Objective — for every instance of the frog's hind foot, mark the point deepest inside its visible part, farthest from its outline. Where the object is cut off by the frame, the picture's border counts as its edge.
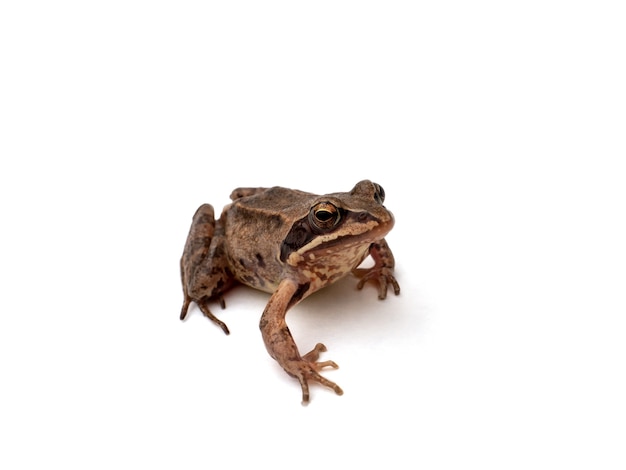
(205, 311)
(183, 311)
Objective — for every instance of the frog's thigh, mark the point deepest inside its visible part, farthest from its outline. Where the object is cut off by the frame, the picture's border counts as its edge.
(204, 267)
(243, 192)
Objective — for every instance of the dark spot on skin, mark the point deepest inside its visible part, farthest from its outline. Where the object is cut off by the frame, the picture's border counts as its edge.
(334, 277)
(260, 260)
(199, 243)
(219, 251)
(298, 294)
(294, 358)
(242, 262)
(250, 280)
(218, 288)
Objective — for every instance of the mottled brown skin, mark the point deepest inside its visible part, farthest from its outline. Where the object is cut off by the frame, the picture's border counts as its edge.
(291, 244)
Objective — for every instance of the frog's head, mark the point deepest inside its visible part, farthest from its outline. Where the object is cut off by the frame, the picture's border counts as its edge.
(337, 222)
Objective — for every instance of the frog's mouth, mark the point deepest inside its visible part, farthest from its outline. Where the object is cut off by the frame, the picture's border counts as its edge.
(351, 235)
(372, 234)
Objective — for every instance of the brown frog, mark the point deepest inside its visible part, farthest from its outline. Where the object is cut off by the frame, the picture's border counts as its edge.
(289, 243)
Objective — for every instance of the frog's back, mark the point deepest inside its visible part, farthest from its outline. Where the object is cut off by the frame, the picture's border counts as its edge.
(276, 198)
(256, 224)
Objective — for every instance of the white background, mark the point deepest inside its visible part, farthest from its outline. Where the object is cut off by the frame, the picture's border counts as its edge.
(498, 132)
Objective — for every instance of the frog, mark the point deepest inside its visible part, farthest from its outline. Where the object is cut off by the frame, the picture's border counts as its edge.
(290, 244)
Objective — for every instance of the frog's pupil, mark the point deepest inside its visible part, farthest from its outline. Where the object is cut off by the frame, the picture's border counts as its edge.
(323, 215)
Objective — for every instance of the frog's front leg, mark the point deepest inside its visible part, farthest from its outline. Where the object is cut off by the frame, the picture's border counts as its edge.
(282, 347)
(203, 267)
(381, 272)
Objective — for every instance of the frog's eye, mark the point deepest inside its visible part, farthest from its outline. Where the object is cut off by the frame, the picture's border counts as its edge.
(379, 195)
(324, 216)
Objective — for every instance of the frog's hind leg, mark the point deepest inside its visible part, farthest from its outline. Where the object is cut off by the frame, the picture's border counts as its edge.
(244, 192)
(203, 267)
(202, 305)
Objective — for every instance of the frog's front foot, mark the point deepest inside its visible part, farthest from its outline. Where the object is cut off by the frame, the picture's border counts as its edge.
(383, 276)
(306, 369)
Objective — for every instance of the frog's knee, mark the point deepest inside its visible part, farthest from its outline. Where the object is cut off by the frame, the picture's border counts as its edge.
(204, 213)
